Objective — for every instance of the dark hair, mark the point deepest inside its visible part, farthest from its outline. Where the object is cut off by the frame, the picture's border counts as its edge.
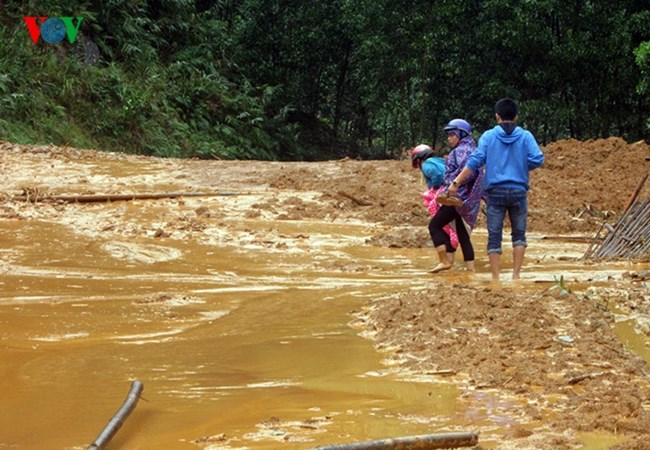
(506, 108)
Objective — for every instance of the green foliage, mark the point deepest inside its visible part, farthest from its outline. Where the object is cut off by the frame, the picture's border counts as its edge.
(149, 95)
(642, 53)
(308, 80)
(560, 285)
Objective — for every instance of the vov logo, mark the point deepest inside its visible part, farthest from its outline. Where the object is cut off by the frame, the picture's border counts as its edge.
(53, 29)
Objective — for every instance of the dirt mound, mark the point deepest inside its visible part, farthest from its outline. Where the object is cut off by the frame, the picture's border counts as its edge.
(580, 186)
(554, 351)
(585, 183)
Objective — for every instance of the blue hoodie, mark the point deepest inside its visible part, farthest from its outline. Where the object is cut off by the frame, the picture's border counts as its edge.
(507, 157)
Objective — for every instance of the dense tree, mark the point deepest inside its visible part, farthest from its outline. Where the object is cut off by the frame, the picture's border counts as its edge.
(288, 79)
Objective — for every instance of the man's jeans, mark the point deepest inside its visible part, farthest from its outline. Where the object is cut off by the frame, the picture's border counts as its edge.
(515, 203)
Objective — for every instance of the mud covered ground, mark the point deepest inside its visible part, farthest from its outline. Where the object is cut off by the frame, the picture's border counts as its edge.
(552, 350)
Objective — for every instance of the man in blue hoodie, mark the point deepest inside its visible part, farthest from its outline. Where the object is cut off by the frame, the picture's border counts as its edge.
(508, 153)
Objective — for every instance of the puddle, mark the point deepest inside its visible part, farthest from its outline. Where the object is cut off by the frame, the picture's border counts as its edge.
(236, 348)
(222, 340)
(633, 338)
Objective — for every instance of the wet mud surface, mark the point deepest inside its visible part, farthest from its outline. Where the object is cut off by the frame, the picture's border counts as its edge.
(545, 356)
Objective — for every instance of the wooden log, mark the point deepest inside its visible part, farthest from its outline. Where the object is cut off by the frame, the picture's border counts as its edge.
(98, 198)
(579, 378)
(422, 442)
(576, 239)
(358, 201)
(118, 419)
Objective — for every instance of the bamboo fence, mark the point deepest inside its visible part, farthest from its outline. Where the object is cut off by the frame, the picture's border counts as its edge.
(630, 238)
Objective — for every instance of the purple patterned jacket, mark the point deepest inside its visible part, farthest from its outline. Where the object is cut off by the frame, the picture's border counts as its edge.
(472, 190)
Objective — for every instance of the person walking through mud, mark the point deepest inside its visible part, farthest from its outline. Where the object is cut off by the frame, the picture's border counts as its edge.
(432, 168)
(508, 153)
(465, 213)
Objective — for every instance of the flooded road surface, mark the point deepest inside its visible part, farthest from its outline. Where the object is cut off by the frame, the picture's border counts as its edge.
(238, 346)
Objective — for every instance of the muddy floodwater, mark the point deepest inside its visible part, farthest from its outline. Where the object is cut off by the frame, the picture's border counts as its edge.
(237, 346)
(225, 340)
(292, 308)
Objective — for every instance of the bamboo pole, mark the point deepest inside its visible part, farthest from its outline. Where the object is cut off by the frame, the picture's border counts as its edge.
(606, 247)
(642, 232)
(629, 234)
(592, 245)
(630, 237)
(423, 442)
(120, 416)
(645, 248)
(638, 223)
(614, 235)
(612, 247)
(636, 192)
(96, 198)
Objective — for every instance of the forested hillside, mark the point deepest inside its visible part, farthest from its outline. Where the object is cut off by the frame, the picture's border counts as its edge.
(313, 79)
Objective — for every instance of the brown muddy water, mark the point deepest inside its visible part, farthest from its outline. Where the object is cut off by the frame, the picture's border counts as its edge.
(238, 346)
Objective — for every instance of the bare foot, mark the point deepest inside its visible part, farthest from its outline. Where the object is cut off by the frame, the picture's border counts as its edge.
(440, 267)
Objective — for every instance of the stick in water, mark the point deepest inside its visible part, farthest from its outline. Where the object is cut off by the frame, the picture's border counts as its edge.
(423, 442)
(120, 416)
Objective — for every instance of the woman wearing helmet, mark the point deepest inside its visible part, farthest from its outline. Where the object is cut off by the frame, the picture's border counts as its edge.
(431, 166)
(433, 169)
(462, 144)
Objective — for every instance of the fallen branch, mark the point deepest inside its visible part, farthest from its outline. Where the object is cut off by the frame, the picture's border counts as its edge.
(120, 416)
(577, 239)
(635, 194)
(96, 198)
(423, 442)
(442, 372)
(578, 379)
(359, 202)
